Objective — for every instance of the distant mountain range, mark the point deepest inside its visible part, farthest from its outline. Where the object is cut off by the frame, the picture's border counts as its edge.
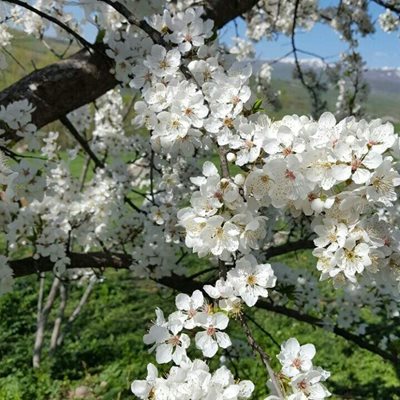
(384, 79)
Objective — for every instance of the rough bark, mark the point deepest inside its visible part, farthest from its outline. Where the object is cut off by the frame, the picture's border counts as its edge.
(223, 11)
(62, 87)
(66, 85)
(29, 266)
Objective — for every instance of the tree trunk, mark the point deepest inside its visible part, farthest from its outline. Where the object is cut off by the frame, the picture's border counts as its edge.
(37, 349)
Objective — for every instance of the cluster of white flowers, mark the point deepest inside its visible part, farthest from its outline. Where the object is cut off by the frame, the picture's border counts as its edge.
(169, 341)
(300, 379)
(192, 380)
(243, 49)
(238, 226)
(47, 209)
(178, 111)
(248, 280)
(389, 21)
(18, 116)
(264, 77)
(340, 173)
(272, 17)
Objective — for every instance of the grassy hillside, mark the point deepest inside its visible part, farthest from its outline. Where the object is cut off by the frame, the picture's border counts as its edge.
(27, 54)
(103, 350)
(295, 100)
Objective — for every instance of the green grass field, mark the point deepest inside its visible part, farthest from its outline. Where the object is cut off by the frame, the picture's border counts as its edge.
(104, 351)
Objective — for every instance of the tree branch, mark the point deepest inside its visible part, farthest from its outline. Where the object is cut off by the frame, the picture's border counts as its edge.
(317, 103)
(29, 266)
(85, 146)
(222, 11)
(359, 341)
(265, 358)
(61, 87)
(98, 164)
(289, 247)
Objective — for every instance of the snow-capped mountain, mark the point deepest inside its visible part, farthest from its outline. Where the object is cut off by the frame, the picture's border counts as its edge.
(385, 79)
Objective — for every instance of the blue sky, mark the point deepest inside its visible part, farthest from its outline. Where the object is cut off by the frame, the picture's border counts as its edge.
(378, 50)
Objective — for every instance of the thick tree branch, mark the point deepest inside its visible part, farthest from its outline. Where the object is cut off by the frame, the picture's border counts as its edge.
(62, 87)
(289, 247)
(29, 266)
(221, 12)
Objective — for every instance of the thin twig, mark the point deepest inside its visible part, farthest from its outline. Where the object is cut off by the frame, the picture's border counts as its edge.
(262, 329)
(84, 173)
(55, 53)
(152, 176)
(98, 163)
(50, 18)
(84, 144)
(14, 58)
(303, 244)
(311, 89)
(204, 271)
(265, 358)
